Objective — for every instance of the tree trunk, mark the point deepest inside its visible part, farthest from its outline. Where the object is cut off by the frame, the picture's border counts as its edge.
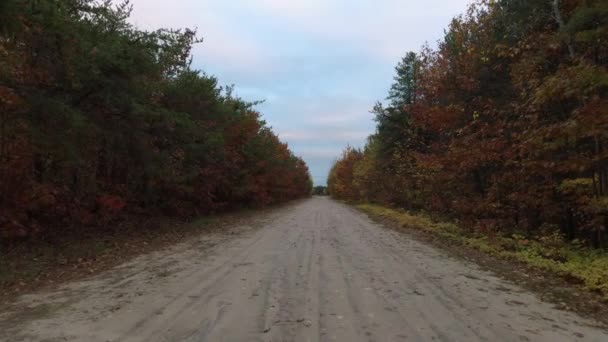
(560, 21)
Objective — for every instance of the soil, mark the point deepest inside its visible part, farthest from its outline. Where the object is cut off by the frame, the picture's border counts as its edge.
(316, 270)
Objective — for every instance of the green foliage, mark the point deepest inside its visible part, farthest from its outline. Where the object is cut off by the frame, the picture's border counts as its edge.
(549, 252)
(404, 89)
(95, 112)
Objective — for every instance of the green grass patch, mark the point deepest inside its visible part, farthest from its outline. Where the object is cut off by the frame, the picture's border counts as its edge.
(570, 260)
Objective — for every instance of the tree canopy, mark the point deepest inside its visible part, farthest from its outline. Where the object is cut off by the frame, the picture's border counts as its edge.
(99, 118)
(504, 127)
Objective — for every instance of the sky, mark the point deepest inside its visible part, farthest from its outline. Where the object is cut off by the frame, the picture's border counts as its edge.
(319, 65)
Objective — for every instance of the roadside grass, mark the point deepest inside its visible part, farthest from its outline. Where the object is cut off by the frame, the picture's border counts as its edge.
(572, 261)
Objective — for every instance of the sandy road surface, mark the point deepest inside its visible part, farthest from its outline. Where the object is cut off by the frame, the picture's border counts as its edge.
(313, 271)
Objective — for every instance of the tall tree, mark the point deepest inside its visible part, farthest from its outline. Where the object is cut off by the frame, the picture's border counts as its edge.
(99, 119)
(403, 91)
(504, 125)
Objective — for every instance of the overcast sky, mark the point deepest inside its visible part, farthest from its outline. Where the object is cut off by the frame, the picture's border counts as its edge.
(319, 64)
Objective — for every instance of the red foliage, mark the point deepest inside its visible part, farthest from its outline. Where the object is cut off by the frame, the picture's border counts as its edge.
(97, 124)
(510, 128)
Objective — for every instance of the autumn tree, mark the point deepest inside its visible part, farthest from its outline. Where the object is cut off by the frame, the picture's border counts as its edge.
(99, 120)
(504, 125)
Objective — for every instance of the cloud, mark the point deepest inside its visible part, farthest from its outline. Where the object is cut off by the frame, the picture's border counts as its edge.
(340, 117)
(319, 64)
(242, 55)
(324, 135)
(323, 107)
(258, 94)
(320, 152)
(383, 30)
(291, 8)
(224, 44)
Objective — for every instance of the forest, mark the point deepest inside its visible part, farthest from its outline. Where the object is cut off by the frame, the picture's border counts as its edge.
(502, 128)
(100, 120)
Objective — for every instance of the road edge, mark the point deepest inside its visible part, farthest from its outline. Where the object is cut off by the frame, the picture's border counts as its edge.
(60, 268)
(549, 287)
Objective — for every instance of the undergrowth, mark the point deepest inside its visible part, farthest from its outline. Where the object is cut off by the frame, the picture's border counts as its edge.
(58, 258)
(570, 260)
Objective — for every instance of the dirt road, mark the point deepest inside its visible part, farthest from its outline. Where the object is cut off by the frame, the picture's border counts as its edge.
(313, 271)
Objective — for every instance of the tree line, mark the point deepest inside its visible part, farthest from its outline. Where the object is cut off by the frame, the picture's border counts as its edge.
(99, 119)
(503, 127)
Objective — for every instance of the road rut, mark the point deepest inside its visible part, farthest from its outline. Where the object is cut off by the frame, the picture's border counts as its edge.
(317, 270)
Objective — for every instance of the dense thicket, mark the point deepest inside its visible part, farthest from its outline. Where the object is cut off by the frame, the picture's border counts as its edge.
(503, 127)
(98, 118)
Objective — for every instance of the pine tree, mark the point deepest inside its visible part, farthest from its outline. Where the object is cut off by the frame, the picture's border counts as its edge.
(404, 87)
